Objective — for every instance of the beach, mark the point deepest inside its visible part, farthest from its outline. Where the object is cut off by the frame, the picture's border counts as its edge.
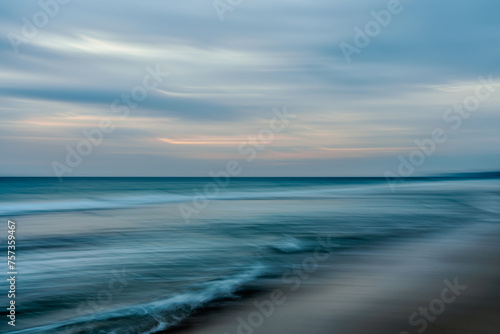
(266, 255)
(377, 292)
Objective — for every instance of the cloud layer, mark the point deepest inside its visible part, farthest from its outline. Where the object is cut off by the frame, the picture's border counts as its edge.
(225, 77)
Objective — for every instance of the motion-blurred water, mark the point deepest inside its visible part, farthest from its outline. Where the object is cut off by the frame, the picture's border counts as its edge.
(115, 255)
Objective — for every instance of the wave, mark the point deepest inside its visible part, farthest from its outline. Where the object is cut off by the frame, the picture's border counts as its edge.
(103, 203)
(289, 245)
(154, 316)
(90, 204)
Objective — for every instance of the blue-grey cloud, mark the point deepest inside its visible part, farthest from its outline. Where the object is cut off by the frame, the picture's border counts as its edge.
(225, 78)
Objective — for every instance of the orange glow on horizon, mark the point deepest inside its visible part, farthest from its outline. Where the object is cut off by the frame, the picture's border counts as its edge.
(369, 148)
(200, 142)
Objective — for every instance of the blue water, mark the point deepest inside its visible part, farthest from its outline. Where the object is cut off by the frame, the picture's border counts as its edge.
(116, 255)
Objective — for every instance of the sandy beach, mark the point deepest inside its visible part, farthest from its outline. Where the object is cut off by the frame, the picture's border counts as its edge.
(445, 284)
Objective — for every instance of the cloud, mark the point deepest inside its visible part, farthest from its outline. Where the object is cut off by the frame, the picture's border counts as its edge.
(225, 78)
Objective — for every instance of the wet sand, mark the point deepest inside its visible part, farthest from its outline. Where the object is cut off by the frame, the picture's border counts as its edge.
(448, 283)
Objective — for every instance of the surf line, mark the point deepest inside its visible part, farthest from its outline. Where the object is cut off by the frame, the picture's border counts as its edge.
(295, 277)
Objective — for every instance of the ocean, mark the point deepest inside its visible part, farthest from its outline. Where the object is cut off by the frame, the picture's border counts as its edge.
(142, 255)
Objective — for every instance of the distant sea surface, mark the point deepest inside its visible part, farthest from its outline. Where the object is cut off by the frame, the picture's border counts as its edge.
(140, 255)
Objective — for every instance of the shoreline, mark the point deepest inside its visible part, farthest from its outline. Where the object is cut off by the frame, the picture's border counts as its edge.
(378, 290)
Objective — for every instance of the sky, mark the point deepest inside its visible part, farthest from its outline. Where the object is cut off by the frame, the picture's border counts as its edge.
(284, 88)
